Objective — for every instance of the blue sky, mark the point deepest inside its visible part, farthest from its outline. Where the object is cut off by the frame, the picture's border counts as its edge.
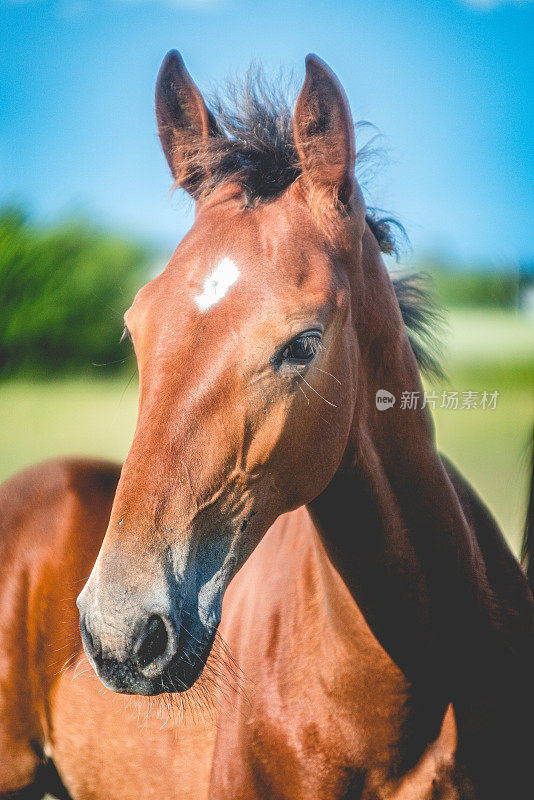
(448, 83)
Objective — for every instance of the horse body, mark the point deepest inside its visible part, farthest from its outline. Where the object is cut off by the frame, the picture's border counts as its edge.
(330, 715)
(320, 711)
(103, 745)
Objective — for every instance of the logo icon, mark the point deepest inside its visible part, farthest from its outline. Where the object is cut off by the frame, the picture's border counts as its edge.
(384, 400)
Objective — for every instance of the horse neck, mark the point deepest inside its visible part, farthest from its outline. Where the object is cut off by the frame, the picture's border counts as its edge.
(392, 525)
(390, 485)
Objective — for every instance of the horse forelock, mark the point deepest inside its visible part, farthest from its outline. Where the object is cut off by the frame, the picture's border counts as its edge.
(254, 147)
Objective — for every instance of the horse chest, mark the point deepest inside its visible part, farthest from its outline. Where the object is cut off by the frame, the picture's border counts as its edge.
(325, 713)
(311, 738)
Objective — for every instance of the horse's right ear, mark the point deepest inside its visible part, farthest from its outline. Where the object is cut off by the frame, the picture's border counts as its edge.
(184, 122)
(324, 132)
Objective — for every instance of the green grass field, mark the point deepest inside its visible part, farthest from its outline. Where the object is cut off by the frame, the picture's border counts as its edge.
(491, 351)
(487, 351)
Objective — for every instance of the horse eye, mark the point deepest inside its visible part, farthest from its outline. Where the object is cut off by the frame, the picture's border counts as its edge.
(303, 348)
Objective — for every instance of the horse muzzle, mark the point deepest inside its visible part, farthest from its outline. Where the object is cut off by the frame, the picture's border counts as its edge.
(162, 655)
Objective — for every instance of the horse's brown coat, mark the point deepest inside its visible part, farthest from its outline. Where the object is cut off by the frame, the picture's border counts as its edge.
(366, 588)
(105, 745)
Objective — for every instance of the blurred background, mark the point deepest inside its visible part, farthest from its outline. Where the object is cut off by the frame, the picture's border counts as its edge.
(86, 216)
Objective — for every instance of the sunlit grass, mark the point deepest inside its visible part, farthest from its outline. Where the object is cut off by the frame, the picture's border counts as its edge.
(65, 416)
(491, 449)
(491, 351)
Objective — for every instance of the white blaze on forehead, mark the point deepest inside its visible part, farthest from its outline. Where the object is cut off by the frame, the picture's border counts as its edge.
(217, 283)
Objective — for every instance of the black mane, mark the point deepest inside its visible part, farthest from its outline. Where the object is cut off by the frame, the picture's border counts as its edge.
(423, 320)
(256, 149)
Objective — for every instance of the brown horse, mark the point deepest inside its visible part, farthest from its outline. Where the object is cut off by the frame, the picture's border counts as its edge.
(295, 568)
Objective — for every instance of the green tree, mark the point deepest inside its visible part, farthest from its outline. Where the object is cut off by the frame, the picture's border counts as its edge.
(63, 292)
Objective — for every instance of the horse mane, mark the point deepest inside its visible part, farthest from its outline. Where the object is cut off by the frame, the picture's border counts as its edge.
(255, 148)
(423, 320)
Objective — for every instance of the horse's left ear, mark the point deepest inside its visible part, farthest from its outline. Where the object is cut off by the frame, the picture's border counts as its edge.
(324, 132)
(184, 122)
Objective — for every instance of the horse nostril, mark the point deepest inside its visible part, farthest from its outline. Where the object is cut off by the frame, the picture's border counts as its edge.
(152, 643)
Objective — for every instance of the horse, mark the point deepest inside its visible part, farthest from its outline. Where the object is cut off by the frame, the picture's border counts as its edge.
(287, 591)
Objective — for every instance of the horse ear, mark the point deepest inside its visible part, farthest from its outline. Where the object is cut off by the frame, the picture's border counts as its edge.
(184, 122)
(324, 132)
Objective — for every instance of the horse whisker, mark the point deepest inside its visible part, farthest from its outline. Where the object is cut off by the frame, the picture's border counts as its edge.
(329, 373)
(315, 390)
